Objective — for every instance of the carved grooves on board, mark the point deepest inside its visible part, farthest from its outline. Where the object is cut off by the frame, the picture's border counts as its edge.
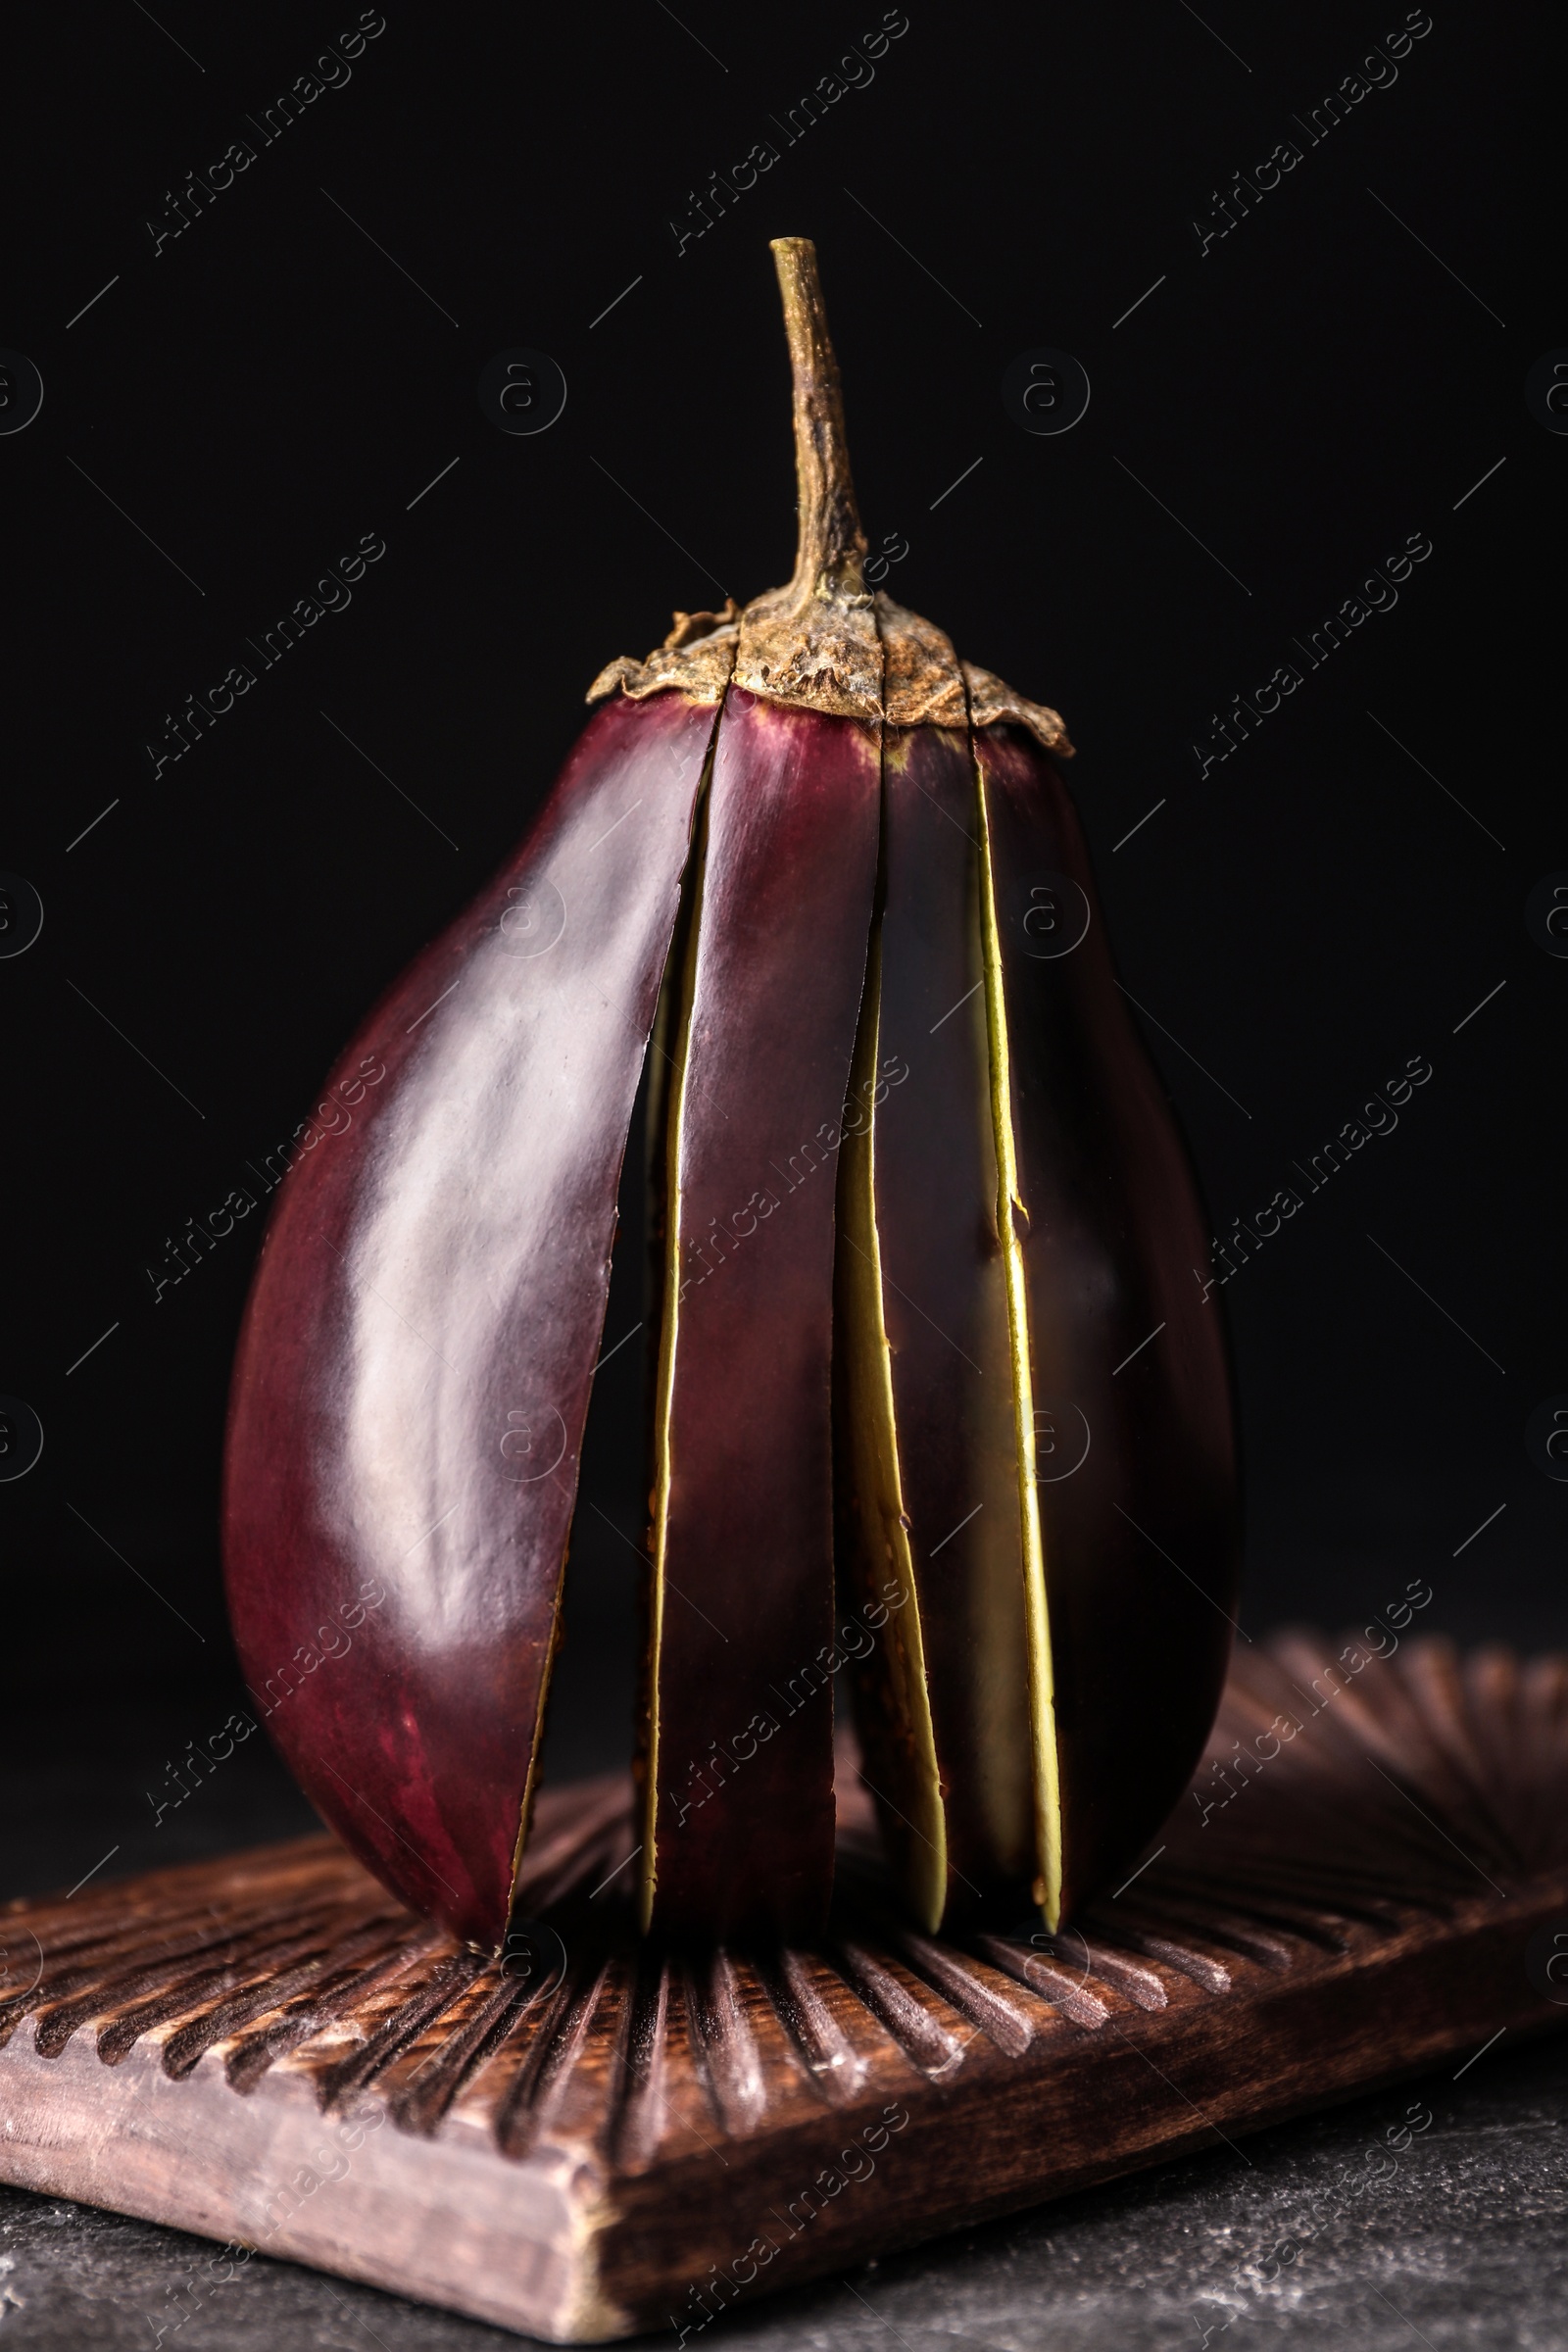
(1409, 1787)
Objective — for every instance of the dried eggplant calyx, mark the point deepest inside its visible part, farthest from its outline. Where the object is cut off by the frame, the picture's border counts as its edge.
(824, 642)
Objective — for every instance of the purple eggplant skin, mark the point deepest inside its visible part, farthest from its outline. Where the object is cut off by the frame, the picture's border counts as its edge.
(414, 1369)
(944, 1309)
(1031, 1396)
(738, 1761)
(1141, 1534)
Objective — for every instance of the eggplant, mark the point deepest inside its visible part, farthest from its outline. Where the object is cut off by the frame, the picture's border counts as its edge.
(935, 1389)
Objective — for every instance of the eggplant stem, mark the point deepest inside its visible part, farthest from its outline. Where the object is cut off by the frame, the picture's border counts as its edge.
(830, 554)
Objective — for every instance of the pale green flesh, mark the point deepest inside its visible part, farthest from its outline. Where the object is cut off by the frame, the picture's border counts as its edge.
(1010, 1211)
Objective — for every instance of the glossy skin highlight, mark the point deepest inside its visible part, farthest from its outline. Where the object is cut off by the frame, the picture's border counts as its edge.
(414, 1370)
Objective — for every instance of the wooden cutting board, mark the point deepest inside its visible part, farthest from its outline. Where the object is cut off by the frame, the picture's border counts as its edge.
(593, 2139)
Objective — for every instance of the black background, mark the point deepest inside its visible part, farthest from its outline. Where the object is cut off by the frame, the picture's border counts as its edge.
(1304, 397)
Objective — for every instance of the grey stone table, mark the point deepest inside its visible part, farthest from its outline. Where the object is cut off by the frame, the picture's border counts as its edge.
(1460, 2239)
(1434, 2212)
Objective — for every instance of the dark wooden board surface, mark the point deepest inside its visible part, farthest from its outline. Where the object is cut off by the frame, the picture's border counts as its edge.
(591, 2139)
